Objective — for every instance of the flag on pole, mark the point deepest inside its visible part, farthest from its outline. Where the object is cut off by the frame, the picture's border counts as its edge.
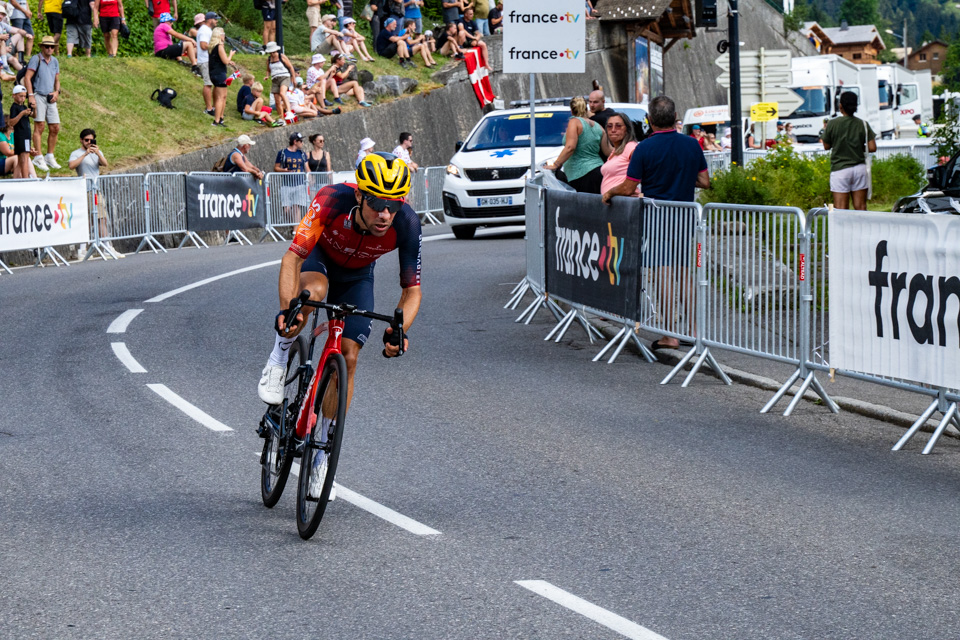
(477, 70)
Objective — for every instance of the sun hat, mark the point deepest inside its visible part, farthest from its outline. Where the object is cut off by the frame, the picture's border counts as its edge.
(349, 21)
(271, 47)
(197, 19)
(245, 139)
(48, 41)
(3, 9)
(318, 59)
(166, 16)
(367, 143)
(211, 15)
(329, 16)
(19, 89)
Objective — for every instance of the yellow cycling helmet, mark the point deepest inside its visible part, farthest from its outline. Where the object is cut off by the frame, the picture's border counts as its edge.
(383, 175)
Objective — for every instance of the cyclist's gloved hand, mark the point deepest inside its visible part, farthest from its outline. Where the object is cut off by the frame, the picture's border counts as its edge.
(391, 343)
(290, 322)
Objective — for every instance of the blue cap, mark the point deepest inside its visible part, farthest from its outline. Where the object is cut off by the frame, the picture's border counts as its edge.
(389, 21)
(211, 15)
(779, 123)
(696, 126)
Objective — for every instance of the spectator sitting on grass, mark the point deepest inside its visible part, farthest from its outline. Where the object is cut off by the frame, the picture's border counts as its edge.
(10, 39)
(354, 40)
(391, 43)
(298, 101)
(318, 83)
(253, 108)
(417, 43)
(447, 42)
(156, 9)
(340, 73)
(327, 38)
(163, 46)
(469, 37)
(10, 160)
(20, 18)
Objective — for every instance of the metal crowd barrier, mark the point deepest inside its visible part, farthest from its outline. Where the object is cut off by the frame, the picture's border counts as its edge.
(433, 187)
(288, 197)
(166, 198)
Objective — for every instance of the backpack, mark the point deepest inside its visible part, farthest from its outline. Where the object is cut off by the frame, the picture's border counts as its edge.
(70, 9)
(219, 165)
(23, 69)
(259, 5)
(164, 97)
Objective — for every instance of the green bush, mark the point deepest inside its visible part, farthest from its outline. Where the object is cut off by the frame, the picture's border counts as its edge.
(737, 185)
(895, 177)
(781, 178)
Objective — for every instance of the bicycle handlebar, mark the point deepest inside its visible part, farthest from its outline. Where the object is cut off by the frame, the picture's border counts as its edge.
(342, 310)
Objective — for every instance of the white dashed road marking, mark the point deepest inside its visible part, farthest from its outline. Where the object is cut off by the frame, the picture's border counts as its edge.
(120, 350)
(121, 322)
(197, 414)
(608, 619)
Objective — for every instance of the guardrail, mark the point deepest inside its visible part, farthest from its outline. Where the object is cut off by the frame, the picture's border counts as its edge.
(923, 152)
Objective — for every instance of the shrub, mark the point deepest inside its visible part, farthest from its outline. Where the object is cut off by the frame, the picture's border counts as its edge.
(737, 185)
(895, 177)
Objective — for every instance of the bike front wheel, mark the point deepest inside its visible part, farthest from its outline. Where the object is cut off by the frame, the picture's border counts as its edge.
(321, 449)
(277, 456)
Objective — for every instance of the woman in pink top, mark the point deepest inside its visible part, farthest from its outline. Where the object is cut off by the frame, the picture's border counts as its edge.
(618, 143)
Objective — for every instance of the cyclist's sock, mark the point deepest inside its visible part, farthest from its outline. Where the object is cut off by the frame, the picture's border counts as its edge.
(324, 427)
(281, 351)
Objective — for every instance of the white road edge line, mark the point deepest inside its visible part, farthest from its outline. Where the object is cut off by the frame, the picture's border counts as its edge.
(200, 283)
(123, 354)
(376, 508)
(121, 322)
(483, 232)
(607, 618)
(197, 414)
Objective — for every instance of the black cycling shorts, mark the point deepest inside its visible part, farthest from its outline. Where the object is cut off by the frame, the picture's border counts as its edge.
(353, 286)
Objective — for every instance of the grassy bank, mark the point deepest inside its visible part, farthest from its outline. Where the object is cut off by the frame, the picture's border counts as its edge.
(112, 96)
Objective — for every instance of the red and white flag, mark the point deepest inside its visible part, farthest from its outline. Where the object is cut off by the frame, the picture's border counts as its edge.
(477, 70)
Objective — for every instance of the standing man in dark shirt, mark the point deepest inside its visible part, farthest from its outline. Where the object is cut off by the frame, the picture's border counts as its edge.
(669, 166)
(495, 19)
(597, 103)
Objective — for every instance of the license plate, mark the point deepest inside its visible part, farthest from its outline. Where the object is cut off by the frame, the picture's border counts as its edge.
(498, 201)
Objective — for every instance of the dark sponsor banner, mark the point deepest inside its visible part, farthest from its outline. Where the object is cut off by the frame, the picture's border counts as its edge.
(224, 202)
(593, 250)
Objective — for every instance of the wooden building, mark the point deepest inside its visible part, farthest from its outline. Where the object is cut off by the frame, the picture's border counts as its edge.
(929, 56)
(860, 44)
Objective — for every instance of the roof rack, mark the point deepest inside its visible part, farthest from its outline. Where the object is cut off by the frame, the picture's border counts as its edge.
(516, 104)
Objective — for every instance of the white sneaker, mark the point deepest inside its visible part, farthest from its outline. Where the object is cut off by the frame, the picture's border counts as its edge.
(270, 388)
(41, 164)
(51, 161)
(333, 494)
(318, 473)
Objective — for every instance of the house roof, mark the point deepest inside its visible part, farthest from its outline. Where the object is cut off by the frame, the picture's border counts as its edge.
(927, 45)
(617, 10)
(855, 34)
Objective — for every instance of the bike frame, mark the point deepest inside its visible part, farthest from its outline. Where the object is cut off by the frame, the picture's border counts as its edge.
(307, 419)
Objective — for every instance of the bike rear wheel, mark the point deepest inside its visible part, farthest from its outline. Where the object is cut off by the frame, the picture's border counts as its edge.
(277, 456)
(318, 465)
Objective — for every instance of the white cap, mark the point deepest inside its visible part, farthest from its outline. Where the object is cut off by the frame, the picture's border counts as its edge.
(367, 143)
(318, 57)
(348, 21)
(19, 89)
(245, 139)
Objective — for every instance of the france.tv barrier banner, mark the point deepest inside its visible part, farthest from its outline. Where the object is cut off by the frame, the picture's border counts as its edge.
(224, 202)
(593, 251)
(48, 214)
(895, 295)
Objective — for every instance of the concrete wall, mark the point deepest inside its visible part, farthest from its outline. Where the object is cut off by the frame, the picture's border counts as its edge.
(439, 118)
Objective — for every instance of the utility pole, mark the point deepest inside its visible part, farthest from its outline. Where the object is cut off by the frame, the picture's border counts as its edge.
(736, 111)
(906, 47)
(279, 12)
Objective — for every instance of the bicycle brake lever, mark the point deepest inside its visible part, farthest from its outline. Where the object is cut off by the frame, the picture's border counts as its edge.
(396, 337)
(295, 306)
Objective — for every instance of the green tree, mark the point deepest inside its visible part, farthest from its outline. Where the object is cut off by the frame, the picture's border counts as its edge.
(859, 11)
(950, 71)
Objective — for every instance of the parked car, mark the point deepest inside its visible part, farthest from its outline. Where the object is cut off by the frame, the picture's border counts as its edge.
(941, 193)
(484, 183)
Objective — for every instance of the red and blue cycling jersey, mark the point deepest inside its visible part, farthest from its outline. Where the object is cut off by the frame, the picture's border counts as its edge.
(328, 226)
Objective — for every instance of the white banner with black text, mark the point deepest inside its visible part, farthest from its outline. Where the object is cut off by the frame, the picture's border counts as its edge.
(43, 214)
(895, 295)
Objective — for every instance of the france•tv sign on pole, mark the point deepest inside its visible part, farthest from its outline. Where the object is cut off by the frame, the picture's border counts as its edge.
(544, 36)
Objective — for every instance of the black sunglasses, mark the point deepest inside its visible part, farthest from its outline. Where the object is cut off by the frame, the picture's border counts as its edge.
(379, 204)
(88, 140)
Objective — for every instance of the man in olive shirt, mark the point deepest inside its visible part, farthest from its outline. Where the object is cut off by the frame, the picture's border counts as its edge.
(847, 138)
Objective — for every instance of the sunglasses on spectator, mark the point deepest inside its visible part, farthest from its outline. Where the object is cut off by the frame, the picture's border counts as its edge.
(88, 139)
(379, 204)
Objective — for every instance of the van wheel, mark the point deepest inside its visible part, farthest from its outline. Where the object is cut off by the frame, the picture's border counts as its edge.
(464, 232)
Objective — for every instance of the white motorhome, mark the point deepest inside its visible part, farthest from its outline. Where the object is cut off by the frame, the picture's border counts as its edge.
(819, 81)
(913, 94)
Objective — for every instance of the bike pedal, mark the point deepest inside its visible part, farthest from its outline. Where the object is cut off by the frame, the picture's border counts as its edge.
(297, 448)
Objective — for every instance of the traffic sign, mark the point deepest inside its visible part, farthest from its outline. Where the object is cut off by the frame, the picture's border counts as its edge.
(771, 58)
(764, 111)
(769, 79)
(787, 100)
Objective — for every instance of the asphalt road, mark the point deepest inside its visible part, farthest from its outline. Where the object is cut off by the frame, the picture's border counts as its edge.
(679, 511)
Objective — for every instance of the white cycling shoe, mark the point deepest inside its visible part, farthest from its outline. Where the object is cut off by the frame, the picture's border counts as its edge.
(270, 388)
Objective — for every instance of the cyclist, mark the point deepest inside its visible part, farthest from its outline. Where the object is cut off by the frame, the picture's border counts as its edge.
(347, 227)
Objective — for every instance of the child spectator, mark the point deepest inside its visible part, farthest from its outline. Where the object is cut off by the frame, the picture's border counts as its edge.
(163, 46)
(10, 160)
(253, 108)
(20, 113)
(108, 15)
(156, 9)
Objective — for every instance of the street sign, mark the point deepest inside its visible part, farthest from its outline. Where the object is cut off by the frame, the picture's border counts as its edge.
(772, 58)
(787, 100)
(544, 36)
(769, 79)
(764, 111)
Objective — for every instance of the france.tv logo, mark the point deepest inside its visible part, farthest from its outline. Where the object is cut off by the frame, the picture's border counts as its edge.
(516, 17)
(567, 55)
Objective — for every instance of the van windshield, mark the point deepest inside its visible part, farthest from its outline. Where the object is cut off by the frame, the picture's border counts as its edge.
(512, 131)
(816, 102)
